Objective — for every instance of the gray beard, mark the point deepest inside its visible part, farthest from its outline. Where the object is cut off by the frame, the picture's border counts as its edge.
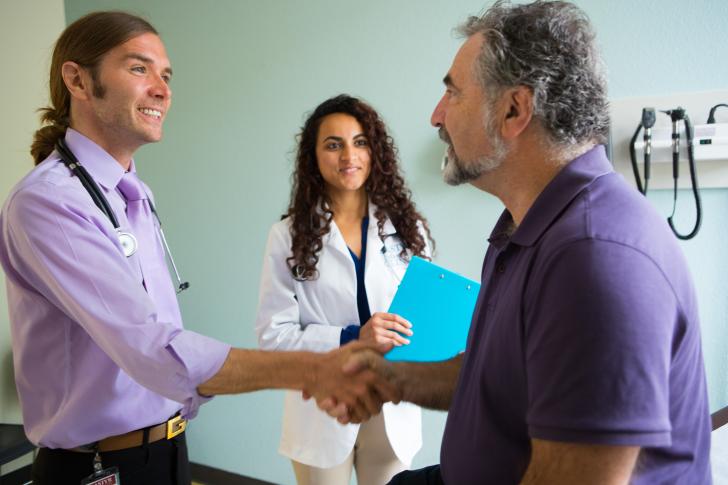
(456, 172)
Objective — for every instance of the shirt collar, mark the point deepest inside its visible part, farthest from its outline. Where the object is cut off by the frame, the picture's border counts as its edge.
(104, 169)
(565, 186)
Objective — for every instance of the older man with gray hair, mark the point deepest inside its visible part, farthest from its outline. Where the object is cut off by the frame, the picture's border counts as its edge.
(584, 362)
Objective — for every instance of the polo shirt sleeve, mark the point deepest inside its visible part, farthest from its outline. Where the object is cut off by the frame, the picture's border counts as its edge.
(599, 323)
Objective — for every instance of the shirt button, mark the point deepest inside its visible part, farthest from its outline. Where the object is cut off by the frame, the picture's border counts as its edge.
(500, 268)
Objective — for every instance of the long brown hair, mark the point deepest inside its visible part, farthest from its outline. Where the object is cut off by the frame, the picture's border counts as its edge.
(84, 42)
(310, 205)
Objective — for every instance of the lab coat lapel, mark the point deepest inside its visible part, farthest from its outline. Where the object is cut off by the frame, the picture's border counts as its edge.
(374, 242)
(336, 240)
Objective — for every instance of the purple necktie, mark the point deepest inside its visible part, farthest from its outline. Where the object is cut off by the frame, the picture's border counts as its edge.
(150, 252)
(141, 222)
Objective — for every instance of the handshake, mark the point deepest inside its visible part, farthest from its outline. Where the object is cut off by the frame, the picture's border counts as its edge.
(352, 383)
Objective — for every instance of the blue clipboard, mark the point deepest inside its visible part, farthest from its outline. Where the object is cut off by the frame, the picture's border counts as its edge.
(439, 304)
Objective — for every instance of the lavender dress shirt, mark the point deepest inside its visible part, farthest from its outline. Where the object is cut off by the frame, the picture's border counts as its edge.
(98, 343)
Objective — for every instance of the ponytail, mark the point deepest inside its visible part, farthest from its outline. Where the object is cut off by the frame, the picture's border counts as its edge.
(45, 139)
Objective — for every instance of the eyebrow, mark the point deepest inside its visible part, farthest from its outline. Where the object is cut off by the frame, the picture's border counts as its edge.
(338, 138)
(146, 60)
(447, 80)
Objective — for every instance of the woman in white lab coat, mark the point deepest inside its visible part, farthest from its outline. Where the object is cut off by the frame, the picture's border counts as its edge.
(330, 270)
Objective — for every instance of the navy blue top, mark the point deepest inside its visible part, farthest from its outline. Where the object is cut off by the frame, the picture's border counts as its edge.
(362, 302)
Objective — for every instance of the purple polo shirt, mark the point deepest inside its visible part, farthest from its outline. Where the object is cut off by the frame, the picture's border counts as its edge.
(585, 331)
(96, 354)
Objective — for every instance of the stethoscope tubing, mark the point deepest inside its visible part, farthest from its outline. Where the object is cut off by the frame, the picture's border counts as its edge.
(125, 238)
(87, 181)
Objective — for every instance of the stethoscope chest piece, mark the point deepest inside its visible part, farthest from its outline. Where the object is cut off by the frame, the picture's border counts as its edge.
(128, 243)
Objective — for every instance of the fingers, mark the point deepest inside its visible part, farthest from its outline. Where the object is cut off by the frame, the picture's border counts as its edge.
(340, 411)
(356, 400)
(327, 404)
(391, 321)
(353, 384)
(378, 374)
(383, 328)
(394, 337)
(359, 402)
(387, 327)
(367, 397)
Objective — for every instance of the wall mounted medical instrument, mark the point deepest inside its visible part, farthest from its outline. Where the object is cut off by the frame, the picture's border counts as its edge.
(658, 137)
(676, 115)
(646, 124)
(129, 243)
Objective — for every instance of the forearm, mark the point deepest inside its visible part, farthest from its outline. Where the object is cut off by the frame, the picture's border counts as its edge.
(253, 370)
(563, 463)
(430, 385)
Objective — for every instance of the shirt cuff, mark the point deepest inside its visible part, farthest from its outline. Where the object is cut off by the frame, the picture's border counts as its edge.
(348, 334)
(202, 357)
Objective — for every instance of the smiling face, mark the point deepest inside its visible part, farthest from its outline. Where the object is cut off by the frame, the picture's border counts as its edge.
(131, 94)
(342, 154)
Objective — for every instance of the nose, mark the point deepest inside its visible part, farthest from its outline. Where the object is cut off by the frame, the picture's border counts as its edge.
(438, 115)
(160, 89)
(348, 152)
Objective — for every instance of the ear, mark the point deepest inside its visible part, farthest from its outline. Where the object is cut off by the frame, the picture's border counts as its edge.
(518, 111)
(76, 79)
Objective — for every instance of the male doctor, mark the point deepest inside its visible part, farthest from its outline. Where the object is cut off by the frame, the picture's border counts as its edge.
(106, 373)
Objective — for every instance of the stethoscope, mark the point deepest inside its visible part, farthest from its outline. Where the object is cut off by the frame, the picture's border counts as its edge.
(394, 247)
(128, 241)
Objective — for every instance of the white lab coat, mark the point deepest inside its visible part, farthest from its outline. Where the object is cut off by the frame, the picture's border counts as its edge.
(309, 315)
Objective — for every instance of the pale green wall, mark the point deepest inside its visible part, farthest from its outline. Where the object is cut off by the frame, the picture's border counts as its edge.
(27, 33)
(246, 71)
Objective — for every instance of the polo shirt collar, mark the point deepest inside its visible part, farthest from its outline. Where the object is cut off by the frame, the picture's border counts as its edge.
(104, 168)
(565, 186)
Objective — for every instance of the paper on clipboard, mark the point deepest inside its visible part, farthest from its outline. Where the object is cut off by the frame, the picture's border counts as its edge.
(439, 304)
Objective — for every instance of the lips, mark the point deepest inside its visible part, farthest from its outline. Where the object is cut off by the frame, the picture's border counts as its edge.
(349, 170)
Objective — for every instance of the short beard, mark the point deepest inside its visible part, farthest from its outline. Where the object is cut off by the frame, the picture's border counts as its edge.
(457, 172)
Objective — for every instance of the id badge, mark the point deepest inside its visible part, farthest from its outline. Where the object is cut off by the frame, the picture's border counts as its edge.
(107, 476)
(102, 476)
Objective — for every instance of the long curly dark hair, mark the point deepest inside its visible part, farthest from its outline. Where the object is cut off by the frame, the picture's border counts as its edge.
(310, 205)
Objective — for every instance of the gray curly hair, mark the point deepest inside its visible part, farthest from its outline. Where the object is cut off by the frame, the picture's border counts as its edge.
(548, 46)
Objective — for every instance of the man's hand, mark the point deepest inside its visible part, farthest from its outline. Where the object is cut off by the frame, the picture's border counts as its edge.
(386, 328)
(427, 384)
(344, 384)
(362, 361)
